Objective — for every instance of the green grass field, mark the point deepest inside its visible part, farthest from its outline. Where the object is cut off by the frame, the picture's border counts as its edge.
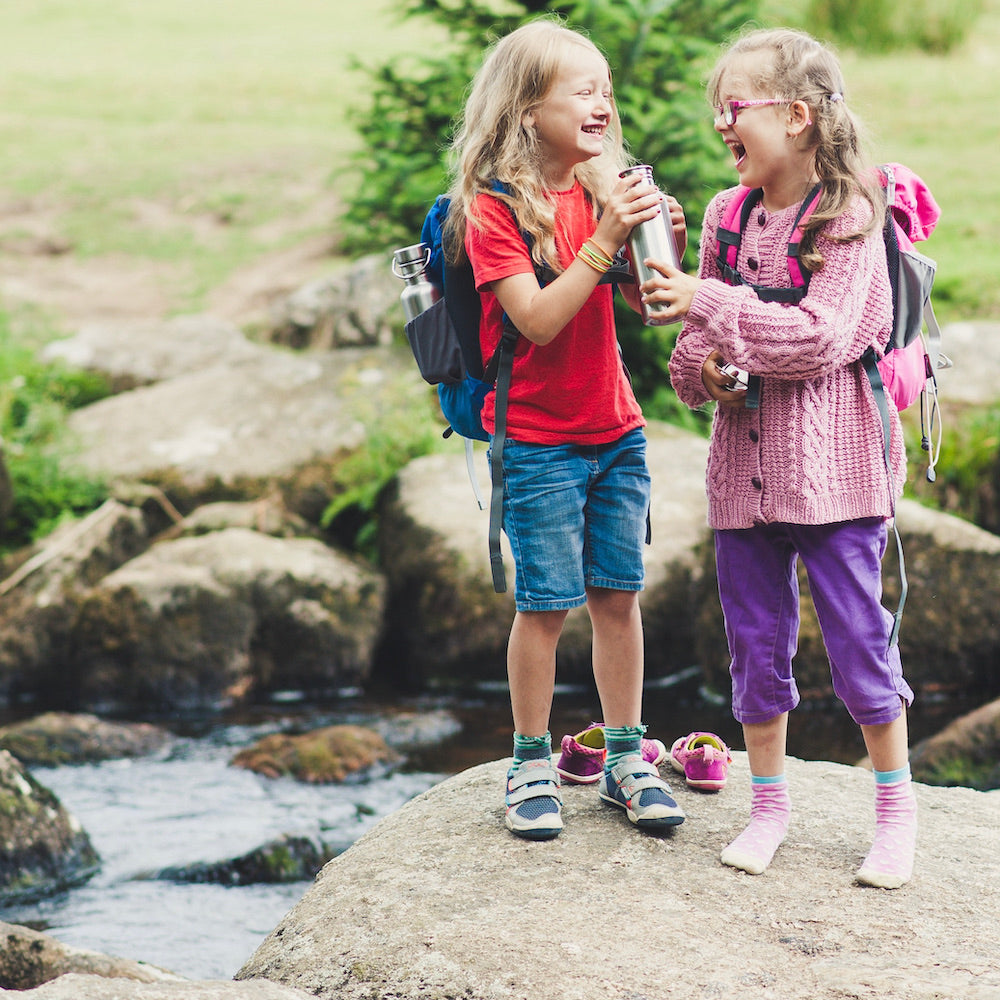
(934, 114)
(202, 133)
(196, 132)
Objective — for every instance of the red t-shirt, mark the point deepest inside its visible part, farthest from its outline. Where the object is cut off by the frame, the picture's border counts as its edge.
(573, 389)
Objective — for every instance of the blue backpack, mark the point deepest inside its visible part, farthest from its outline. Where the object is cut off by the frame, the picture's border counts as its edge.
(445, 343)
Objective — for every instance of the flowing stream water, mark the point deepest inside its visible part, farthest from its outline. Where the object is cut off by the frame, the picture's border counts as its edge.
(186, 805)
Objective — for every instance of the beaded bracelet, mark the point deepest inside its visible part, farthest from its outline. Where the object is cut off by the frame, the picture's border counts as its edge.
(592, 255)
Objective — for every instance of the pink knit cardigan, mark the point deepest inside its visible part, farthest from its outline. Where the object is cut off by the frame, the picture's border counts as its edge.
(813, 452)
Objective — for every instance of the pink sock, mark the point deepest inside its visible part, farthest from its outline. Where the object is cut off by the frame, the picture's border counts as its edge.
(770, 810)
(890, 861)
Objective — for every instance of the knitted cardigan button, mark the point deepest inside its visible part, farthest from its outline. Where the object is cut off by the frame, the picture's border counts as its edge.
(754, 436)
(757, 484)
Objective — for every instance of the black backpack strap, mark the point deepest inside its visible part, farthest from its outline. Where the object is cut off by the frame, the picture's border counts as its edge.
(503, 361)
(869, 361)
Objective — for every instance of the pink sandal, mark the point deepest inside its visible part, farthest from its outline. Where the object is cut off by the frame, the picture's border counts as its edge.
(703, 759)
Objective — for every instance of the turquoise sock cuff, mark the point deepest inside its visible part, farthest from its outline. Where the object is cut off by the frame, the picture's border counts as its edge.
(621, 741)
(532, 747)
(890, 777)
(774, 779)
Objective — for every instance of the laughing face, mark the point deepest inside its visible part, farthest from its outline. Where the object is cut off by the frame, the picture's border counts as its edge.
(756, 133)
(571, 120)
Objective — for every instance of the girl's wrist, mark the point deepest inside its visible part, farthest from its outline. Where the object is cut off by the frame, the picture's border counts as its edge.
(600, 246)
(594, 256)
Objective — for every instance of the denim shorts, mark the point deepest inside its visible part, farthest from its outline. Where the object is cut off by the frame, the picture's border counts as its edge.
(575, 516)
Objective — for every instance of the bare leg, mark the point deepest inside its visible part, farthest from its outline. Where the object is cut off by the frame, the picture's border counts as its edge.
(618, 654)
(888, 745)
(531, 668)
(766, 742)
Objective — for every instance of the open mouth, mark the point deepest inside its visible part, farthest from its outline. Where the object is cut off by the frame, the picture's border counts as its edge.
(739, 152)
(594, 129)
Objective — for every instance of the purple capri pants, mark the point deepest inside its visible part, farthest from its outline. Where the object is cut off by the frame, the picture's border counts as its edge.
(759, 591)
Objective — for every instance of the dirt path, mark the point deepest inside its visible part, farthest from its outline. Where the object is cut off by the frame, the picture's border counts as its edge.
(39, 269)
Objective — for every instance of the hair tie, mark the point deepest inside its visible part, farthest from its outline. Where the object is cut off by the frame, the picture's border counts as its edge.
(835, 97)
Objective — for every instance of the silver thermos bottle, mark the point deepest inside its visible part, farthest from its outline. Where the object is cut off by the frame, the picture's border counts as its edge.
(410, 264)
(653, 239)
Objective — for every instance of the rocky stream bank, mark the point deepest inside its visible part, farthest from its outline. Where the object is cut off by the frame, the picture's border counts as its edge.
(205, 581)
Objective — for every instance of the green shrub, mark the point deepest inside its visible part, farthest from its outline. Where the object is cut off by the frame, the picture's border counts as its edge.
(351, 517)
(660, 52)
(34, 401)
(936, 26)
(968, 467)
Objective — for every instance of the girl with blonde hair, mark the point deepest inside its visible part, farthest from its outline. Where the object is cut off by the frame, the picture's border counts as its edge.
(538, 151)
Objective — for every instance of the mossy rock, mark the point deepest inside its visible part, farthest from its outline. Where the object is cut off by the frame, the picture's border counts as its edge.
(965, 753)
(57, 738)
(43, 850)
(324, 755)
(286, 859)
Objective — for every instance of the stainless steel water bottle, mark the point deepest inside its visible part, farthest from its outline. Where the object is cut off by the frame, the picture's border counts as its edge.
(653, 239)
(410, 264)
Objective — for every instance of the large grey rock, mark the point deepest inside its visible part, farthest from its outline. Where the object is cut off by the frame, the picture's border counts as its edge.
(966, 752)
(40, 599)
(974, 347)
(240, 428)
(99, 620)
(438, 900)
(353, 307)
(84, 986)
(198, 621)
(140, 352)
(447, 621)
(42, 847)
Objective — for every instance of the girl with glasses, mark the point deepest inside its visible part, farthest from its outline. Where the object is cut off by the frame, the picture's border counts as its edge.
(797, 467)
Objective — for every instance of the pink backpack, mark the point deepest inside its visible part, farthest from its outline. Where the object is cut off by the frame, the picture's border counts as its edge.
(908, 365)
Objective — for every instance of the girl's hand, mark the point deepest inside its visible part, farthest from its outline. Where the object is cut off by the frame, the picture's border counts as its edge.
(717, 382)
(678, 224)
(632, 200)
(671, 287)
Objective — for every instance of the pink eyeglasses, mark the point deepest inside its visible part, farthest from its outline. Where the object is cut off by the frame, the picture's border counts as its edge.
(730, 109)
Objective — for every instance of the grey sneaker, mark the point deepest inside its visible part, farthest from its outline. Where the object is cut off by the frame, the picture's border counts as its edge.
(636, 787)
(533, 802)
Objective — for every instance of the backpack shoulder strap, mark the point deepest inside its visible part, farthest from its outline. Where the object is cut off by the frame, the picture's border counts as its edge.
(800, 277)
(729, 233)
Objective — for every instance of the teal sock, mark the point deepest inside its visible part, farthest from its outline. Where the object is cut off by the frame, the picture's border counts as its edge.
(532, 748)
(620, 742)
(891, 777)
(775, 779)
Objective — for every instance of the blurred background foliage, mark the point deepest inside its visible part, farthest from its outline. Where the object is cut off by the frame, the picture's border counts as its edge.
(193, 139)
(661, 52)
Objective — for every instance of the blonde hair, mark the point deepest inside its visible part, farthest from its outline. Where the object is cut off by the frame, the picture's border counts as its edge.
(799, 68)
(492, 144)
